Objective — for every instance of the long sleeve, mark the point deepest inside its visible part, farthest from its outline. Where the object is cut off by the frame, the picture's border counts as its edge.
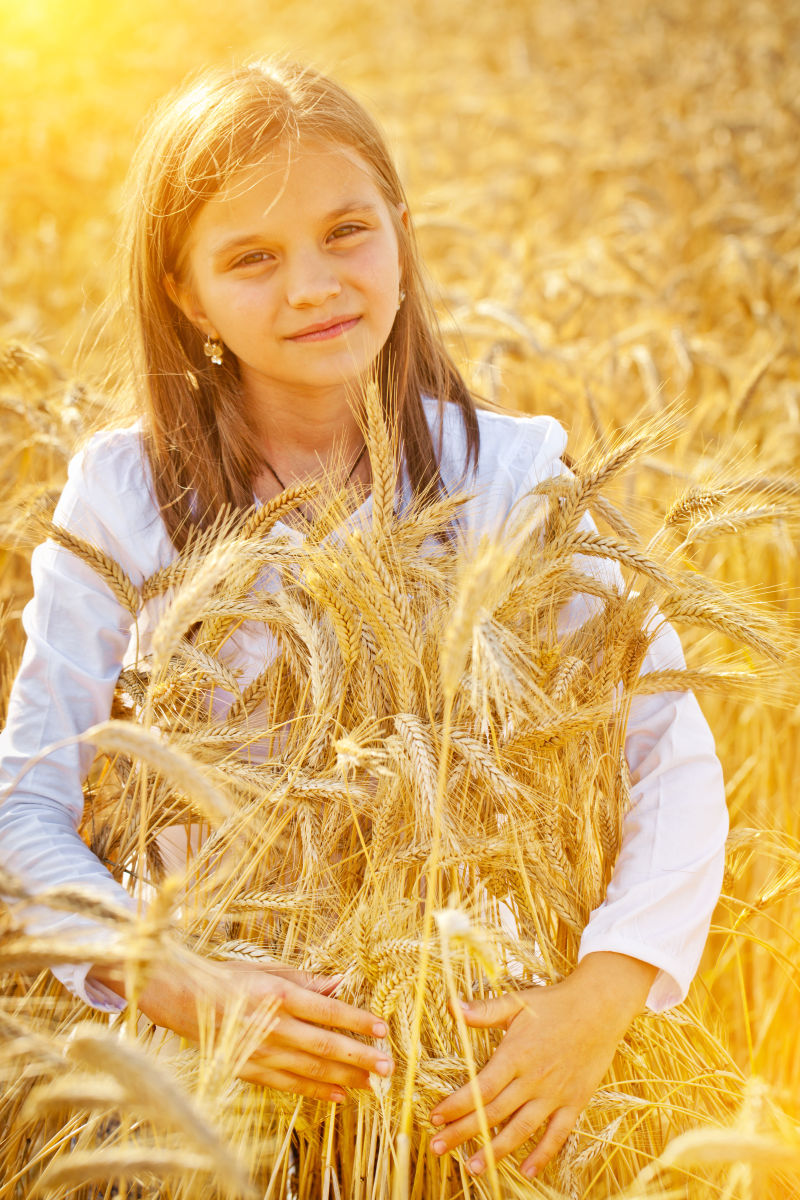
(77, 635)
(668, 875)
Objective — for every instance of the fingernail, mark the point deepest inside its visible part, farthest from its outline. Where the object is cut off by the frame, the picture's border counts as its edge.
(475, 1166)
(438, 1146)
(465, 1004)
(379, 1029)
(338, 1097)
(529, 1172)
(383, 1066)
(437, 1119)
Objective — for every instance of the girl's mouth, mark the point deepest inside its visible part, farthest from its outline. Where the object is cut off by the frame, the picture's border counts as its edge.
(325, 330)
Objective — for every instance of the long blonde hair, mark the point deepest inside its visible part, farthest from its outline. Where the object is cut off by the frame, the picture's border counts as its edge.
(197, 436)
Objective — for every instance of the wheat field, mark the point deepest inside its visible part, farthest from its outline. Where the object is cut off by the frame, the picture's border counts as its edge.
(607, 199)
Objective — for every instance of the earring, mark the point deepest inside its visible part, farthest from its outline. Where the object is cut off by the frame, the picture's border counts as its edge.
(401, 298)
(214, 349)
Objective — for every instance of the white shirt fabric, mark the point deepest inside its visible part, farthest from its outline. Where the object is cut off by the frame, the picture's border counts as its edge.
(667, 878)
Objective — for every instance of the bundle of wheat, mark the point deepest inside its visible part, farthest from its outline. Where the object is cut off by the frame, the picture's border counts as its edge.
(421, 791)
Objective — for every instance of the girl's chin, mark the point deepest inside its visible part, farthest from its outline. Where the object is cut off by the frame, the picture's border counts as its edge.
(344, 373)
(323, 384)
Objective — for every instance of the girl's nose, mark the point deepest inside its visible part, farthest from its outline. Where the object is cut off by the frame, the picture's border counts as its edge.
(310, 280)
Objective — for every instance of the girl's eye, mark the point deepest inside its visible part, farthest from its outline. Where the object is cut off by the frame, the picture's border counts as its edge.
(345, 230)
(252, 258)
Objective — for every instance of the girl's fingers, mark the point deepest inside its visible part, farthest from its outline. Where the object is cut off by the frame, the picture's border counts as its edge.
(324, 984)
(561, 1125)
(325, 1044)
(284, 1081)
(498, 1011)
(491, 1081)
(523, 1125)
(498, 1110)
(324, 1010)
(308, 1066)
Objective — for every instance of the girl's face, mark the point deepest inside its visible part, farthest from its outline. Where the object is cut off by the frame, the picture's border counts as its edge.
(295, 265)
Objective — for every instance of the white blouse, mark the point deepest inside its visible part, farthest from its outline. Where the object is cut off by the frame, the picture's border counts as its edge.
(668, 875)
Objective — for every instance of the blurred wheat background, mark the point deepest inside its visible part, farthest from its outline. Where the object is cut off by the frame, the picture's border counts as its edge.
(608, 200)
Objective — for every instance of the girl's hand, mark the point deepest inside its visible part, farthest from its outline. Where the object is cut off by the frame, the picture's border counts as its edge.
(300, 1053)
(558, 1045)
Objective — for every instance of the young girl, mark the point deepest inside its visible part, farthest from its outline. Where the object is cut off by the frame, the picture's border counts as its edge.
(272, 266)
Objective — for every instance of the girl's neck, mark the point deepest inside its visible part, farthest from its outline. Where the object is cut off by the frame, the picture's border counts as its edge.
(303, 435)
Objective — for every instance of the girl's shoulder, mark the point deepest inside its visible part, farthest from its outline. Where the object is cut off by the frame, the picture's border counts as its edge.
(519, 443)
(113, 454)
(109, 500)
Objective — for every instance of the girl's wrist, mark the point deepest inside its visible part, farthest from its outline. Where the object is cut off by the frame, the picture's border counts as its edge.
(615, 983)
(109, 976)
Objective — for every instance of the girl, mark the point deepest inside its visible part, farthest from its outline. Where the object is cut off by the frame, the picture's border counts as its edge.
(272, 266)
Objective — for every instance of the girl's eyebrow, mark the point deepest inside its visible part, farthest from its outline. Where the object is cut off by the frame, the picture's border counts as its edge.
(234, 243)
(352, 206)
(245, 239)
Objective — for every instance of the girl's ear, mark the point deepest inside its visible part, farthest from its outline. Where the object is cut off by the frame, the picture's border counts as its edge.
(183, 298)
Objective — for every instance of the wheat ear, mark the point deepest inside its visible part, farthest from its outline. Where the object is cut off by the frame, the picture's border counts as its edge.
(102, 564)
(183, 771)
(382, 460)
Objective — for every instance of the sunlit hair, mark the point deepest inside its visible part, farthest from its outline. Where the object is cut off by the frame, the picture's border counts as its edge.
(199, 442)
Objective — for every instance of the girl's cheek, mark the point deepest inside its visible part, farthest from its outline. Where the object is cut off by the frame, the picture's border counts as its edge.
(250, 302)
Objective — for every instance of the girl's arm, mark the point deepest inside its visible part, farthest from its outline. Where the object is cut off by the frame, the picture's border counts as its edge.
(668, 874)
(641, 946)
(78, 634)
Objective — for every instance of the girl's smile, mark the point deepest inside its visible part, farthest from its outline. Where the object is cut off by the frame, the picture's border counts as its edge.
(326, 329)
(295, 266)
